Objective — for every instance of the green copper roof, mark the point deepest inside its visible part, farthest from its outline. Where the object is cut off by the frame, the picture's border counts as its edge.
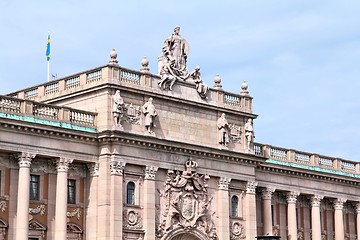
(48, 122)
(313, 168)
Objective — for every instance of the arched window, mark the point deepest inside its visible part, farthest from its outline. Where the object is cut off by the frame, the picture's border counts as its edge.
(234, 206)
(130, 193)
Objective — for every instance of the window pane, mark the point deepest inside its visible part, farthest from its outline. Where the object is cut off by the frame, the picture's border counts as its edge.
(34, 187)
(234, 206)
(130, 193)
(71, 191)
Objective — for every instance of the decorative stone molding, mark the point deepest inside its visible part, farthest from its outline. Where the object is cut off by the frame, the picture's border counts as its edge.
(266, 193)
(150, 172)
(74, 213)
(133, 219)
(358, 208)
(251, 187)
(291, 197)
(62, 164)
(117, 167)
(339, 203)
(3, 206)
(238, 231)
(38, 210)
(185, 203)
(276, 230)
(224, 183)
(37, 226)
(77, 170)
(93, 169)
(316, 200)
(25, 159)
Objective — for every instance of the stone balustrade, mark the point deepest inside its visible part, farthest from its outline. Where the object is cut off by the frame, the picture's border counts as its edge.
(9, 105)
(110, 74)
(308, 160)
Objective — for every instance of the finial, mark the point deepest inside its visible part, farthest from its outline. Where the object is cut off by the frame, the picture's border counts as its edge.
(145, 65)
(244, 88)
(113, 57)
(217, 82)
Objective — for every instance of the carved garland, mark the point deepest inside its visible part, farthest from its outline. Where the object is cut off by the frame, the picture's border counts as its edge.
(39, 209)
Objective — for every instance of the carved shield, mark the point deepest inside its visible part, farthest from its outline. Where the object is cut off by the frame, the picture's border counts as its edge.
(188, 206)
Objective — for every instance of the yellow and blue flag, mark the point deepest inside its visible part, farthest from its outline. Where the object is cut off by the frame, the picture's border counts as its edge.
(48, 48)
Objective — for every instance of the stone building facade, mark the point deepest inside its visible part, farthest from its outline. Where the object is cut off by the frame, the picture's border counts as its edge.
(90, 156)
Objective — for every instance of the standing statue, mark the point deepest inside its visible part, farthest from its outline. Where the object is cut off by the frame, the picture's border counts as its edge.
(223, 130)
(118, 108)
(150, 114)
(249, 133)
(175, 47)
(200, 86)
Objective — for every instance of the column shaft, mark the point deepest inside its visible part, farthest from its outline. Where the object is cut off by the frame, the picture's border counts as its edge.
(149, 203)
(339, 221)
(22, 218)
(222, 207)
(61, 199)
(250, 210)
(315, 217)
(267, 215)
(292, 221)
(358, 221)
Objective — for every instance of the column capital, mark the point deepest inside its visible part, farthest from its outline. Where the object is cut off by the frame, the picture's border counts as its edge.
(24, 159)
(316, 200)
(224, 183)
(93, 169)
(339, 203)
(358, 208)
(117, 167)
(266, 193)
(150, 172)
(251, 187)
(62, 164)
(291, 197)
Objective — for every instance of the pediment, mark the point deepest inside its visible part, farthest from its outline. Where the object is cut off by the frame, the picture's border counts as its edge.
(3, 223)
(74, 228)
(36, 225)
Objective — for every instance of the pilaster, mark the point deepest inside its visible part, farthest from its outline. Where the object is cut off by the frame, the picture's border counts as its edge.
(149, 202)
(358, 221)
(91, 222)
(222, 206)
(117, 167)
(250, 212)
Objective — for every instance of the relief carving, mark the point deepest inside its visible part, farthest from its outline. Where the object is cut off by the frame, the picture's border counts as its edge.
(3, 206)
(185, 203)
(133, 219)
(238, 231)
(38, 210)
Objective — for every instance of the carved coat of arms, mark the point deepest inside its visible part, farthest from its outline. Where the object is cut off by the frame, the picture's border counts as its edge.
(184, 202)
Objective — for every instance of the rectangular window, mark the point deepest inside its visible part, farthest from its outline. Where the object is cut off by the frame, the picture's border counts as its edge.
(34, 187)
(71, 190)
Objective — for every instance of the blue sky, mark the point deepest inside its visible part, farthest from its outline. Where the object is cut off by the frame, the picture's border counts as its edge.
(301, 58)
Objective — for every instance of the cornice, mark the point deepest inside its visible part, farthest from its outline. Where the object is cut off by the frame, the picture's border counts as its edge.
(304, 173)
(176, 147)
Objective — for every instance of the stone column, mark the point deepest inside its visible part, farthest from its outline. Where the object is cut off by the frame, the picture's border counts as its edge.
(149, 202)
(22, 212)
(315, 217)
(222, 207)
(250, 210)
(267, 217)
(358, 221)
(292, 221)
(116, 197)
(339, 220)
(62, 166)
(91, 212)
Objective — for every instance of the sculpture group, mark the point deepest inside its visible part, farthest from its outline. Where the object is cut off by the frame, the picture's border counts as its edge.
(175, 52)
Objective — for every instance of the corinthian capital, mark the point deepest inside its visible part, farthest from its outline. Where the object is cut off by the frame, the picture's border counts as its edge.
(291, 197)
(150, 172)
(117, 167)
(316, 200)
(339, 203)
(251, 187)
(24, 159)
(62, 164)
(93, 169)
(266, 193)
(224, 183)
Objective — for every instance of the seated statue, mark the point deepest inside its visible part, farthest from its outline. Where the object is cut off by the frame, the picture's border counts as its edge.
(200, 86)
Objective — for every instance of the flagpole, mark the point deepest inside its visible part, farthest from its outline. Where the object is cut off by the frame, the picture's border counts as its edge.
(48, 73)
